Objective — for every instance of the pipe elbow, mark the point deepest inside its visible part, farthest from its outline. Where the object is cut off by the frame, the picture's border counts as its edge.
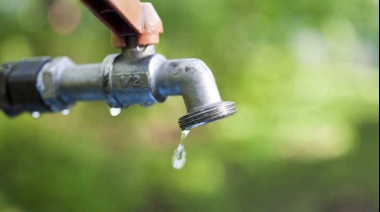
(190, 78)
(193, 80)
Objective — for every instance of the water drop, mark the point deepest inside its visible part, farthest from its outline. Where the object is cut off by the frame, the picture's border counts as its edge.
(36, 115)
(179, 156)
(115, 111)
(141, 48)
(66, 112)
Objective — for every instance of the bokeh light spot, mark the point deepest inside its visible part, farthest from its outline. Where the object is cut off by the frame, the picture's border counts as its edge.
(31, 15)
(322, 142)
(64, 16)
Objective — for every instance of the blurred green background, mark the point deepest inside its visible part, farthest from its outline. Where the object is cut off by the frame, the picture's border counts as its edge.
(304, 75)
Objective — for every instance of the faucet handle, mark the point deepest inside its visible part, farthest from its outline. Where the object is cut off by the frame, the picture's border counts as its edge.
(128, 18)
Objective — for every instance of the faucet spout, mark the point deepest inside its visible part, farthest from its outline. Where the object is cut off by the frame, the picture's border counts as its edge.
(193, 80)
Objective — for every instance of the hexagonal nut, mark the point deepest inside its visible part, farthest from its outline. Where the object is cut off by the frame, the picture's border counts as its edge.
(47, 86)
(48, 82)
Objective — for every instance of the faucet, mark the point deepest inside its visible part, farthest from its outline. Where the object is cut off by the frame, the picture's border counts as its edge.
(136, 76)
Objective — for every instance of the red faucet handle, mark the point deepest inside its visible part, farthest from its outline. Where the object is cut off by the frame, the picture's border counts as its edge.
(126, 18)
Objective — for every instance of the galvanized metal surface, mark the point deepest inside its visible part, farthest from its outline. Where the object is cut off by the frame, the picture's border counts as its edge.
(138, 76)
(49, 81)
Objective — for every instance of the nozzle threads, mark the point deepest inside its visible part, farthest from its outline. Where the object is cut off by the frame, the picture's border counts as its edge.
(206, 115)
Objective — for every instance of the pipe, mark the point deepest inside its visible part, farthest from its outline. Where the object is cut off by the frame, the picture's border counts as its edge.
(82, 83)
(137, 76)
(194, 81)
(189, 78)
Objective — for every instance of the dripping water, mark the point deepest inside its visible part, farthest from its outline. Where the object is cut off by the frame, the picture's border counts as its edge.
(179, 156)
(66, 112)
(36, 114)
(115, 111)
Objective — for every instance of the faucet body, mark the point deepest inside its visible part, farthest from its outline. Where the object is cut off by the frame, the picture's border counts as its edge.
(136, 76)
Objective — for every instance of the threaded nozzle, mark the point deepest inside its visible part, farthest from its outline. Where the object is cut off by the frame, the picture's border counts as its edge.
(207, 115)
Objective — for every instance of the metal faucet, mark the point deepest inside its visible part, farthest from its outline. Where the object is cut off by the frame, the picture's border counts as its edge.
(136, 76)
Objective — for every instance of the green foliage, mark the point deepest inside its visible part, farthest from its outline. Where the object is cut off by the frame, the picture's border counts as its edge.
(305, 78)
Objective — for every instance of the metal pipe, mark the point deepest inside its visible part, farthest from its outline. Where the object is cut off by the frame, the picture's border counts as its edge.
(137, 76)
(194, 81)
(189, 78)
(82, 83)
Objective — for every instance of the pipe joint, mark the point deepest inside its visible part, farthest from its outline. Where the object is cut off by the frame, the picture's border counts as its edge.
(194, 81)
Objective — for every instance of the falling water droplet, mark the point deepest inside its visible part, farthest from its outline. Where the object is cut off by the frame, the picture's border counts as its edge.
(115, 111)
(36, 115)
(179, 156)
(66, 112)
